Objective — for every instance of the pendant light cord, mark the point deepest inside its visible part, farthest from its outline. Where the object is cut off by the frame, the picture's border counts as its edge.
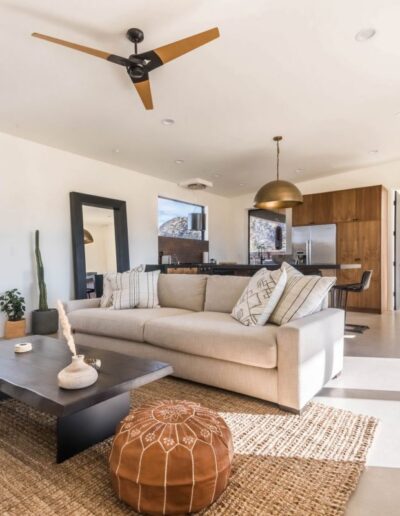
(277, 160)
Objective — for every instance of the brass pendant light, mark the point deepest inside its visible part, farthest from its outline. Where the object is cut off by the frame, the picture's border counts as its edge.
(277, 194)
(87, 237)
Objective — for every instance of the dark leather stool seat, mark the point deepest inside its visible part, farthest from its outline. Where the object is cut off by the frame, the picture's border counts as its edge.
(340, 295)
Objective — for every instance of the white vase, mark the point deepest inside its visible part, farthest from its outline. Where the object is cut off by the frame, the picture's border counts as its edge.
(77, 375)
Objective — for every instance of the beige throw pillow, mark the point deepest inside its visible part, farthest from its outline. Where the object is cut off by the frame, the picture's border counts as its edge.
(135, 289)
(106, 299)
(260, 297)
(302, 296)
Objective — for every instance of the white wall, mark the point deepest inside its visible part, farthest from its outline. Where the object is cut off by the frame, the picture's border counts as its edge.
(35, 181)
(387, 174)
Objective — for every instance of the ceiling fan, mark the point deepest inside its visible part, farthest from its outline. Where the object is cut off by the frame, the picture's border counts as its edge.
(137, 65)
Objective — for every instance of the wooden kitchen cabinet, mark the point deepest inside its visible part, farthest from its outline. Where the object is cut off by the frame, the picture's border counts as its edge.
(368, 203)
(322, 206)
(360, 242)
(303, 215)
(361, 237)
(344, 205)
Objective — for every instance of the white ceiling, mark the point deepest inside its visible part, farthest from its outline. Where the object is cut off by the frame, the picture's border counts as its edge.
(289, 67)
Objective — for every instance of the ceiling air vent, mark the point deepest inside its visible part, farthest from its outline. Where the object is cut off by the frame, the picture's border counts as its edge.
(196, 184)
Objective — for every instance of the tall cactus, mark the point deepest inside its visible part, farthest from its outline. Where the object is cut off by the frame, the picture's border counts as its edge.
(40, 275)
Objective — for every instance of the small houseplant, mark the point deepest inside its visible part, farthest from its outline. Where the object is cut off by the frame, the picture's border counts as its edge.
(13, 305)
(45, 319)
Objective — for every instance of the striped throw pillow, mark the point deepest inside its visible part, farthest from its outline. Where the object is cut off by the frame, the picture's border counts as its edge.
(134, 289)
(106, 299)
(303, 295)
(260, 297)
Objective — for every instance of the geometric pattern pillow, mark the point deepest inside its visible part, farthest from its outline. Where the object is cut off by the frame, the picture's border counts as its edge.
(260, 297)
(135, 289)
(302, 296)
(106, 299)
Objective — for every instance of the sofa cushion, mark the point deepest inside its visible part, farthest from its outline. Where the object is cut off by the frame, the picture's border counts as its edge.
(135, 289)
(260, 297)
(223, 292)
(121, 324)
(215, 335)
(303, 295)
(108, 280)
(185, 291)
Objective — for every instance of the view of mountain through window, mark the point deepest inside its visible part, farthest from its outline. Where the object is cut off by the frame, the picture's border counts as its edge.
(262, 238)
(173, 219)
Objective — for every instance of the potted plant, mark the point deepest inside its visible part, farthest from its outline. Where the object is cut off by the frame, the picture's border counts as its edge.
(45, 319)
(13, 305)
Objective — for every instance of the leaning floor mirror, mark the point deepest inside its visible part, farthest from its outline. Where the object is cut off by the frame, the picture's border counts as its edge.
(99, 241)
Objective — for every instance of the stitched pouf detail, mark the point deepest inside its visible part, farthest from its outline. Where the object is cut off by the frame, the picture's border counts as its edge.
(171, 457)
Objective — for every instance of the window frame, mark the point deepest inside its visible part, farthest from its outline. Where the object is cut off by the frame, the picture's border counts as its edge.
(203, 211)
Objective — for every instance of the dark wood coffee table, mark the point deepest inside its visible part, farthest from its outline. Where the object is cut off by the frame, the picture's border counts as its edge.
(85, 416)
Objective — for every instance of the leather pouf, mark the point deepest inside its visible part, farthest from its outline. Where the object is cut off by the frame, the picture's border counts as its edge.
(171, 457)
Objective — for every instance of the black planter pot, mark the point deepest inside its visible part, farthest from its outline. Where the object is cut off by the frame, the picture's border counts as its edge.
(44, 322)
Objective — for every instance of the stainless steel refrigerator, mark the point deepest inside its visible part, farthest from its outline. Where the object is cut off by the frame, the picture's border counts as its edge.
(316, 243)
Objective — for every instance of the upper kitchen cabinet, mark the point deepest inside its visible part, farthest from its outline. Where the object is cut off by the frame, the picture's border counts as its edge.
(316, 209)
(356, 204)
(344, 205)
(303, 214)
(322, 208)
(369, 203)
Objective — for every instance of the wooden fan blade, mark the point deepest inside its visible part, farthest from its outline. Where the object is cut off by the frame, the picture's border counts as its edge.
(143, 88)
(92, 51)
(177, 49)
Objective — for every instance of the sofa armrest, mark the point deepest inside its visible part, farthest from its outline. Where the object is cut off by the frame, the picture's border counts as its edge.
(78, 304)
(310, 353)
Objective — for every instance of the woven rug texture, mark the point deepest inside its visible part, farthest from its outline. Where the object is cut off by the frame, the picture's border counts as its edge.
(284, 464)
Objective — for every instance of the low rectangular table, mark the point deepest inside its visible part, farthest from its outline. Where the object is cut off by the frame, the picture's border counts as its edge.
(84, 416)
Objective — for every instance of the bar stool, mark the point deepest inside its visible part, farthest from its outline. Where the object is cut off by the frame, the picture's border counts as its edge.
(340, 294)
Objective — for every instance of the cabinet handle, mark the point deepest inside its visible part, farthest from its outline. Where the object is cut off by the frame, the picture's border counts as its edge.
(357, 259)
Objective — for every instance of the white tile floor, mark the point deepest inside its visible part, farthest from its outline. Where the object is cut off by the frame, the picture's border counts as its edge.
(371, 385)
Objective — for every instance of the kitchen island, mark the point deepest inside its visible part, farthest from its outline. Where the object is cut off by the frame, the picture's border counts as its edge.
(232, 269)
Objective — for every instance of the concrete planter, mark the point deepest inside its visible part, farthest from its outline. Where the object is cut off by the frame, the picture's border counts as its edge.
(44, 322)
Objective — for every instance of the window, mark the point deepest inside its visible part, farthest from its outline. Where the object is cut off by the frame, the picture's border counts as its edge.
(267, 234)
(173, 219)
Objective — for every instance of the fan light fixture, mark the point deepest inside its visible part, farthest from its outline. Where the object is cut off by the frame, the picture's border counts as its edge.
(87, 237)
(277, 194)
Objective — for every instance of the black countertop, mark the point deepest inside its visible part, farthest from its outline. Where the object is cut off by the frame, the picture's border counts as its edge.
(248, 270)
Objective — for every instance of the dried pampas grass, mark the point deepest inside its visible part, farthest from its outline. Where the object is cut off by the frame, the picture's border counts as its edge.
(66, 327)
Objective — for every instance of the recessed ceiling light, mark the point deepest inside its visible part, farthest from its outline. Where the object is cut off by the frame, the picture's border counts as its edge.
(116, 151)
(167, 121)
(179, 161)
(365, 34)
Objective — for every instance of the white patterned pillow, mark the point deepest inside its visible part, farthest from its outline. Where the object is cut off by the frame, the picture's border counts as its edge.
(134, 289)
(106, 299)
(260, 297)
(302, 296)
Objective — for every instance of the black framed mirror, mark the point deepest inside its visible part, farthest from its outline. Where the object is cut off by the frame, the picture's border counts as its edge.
(99, 241)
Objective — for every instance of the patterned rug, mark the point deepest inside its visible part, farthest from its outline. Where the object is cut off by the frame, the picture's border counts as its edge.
(284, 464)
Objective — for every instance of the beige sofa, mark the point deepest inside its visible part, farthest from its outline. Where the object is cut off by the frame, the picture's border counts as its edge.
(194, 332)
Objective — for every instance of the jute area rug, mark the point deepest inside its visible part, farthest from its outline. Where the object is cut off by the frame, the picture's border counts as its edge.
(284, 464)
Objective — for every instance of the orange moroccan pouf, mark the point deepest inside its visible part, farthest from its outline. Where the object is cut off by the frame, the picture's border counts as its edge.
(171, 457)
